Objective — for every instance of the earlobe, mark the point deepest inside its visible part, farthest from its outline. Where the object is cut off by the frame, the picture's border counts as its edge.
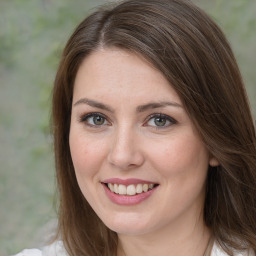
(214, 162)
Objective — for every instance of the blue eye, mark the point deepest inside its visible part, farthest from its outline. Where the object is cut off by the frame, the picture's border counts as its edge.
(160, 121)
(94, 119)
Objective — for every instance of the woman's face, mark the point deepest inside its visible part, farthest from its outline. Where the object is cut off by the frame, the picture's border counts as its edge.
(138, 159)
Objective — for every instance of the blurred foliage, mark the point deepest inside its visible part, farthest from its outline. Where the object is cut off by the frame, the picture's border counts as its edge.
(238, 20)
(32, 36)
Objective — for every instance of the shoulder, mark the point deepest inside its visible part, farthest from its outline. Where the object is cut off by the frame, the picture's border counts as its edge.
(218, 251)
(54, 249)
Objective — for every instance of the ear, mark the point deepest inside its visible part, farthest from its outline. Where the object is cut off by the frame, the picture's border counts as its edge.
(213, 162)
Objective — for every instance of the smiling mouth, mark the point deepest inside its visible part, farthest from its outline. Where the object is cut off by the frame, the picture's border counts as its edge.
(130, 190)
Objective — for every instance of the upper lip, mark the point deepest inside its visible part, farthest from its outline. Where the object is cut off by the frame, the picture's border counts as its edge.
(128, 182)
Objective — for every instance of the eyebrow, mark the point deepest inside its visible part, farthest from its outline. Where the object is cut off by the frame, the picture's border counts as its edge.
(94, 103)
(154, 105)
(139, 109)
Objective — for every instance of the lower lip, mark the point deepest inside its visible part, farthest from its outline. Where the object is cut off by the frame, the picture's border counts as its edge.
(128, 200)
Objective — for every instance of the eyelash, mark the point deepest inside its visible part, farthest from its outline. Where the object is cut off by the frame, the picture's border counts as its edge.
(172, 121)
(85, 118)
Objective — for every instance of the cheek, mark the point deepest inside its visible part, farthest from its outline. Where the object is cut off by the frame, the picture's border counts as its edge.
(182, 163)
(181, 155)
(86, 154)
(87, 157)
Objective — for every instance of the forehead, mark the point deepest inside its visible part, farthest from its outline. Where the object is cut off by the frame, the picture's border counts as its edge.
(119, 72)
(115, 62)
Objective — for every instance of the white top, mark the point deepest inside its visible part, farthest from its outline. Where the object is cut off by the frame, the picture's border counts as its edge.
(57, 249)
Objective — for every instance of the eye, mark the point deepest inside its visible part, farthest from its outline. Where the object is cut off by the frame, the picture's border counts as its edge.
(160, 121)
(94, 119)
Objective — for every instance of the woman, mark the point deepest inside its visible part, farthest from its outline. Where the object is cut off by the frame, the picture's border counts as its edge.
(154, 141)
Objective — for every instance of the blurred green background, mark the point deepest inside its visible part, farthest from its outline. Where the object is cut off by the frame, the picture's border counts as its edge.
(32, 36)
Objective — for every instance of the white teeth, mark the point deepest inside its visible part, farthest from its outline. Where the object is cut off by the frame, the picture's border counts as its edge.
(116, 188)
(139, 189)
(130, 190)
(111, 187)
(145, 187)
(150, 186)
(122, 189)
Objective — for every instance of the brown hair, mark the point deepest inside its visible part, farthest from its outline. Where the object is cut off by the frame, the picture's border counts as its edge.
(181, 41)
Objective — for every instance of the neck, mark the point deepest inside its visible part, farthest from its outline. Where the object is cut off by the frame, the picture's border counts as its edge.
(183, 240)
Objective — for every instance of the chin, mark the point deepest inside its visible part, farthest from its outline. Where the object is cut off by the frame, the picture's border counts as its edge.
(128, 230)
(128, 225)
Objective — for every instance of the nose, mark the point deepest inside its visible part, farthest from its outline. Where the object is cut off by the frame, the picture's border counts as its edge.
(125, 151)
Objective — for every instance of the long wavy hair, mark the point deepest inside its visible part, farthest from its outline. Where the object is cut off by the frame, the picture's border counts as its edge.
(191, 51)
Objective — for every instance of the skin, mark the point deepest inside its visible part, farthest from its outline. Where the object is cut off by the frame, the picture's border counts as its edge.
(131, 144)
